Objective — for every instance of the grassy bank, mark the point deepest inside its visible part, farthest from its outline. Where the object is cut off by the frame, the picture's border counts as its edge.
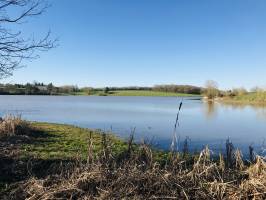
(147, 93)
(135, 93)
(58, 141)
(248, 98)
(55, 161)
(42, 146)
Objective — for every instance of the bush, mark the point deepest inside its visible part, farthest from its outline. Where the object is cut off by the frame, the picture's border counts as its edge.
(239, 91)
(211, 91)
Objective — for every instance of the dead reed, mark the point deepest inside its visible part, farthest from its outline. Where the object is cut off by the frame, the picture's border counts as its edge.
(13, 125)
(176, 138)
(135, 174)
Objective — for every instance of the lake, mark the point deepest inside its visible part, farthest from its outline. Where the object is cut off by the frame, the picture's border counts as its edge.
(152, 118)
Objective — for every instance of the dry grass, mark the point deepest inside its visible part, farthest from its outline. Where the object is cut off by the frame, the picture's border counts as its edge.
(13, 125)
(135, 174)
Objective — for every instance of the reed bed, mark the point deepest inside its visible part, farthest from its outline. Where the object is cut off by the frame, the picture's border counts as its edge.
(12, 126)
(136, 174)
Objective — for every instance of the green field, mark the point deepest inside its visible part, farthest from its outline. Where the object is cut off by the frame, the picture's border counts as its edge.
(135, 93)
(146, 93)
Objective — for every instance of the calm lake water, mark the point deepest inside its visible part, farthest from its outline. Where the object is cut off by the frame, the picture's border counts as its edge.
(153, 117)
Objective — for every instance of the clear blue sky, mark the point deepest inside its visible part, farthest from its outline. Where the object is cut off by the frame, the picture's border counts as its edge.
(147, 42)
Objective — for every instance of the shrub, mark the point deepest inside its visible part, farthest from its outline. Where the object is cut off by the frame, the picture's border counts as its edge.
(239, 91)
(211, 91)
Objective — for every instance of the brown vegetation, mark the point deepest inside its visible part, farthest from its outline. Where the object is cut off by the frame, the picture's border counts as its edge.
(136, 174)
(12, 125)
(211, 89)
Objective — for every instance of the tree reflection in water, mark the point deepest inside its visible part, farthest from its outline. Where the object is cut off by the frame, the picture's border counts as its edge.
(210, 109)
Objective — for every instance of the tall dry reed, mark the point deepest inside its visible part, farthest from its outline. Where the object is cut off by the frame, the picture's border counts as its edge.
(139, 176)
(13, 125)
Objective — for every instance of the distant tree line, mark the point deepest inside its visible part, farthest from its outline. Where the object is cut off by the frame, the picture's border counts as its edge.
(36, 88)
(129, 88)
(211, 91)
(187, 89)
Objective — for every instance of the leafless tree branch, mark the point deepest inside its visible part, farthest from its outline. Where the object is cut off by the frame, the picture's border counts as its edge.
(14, 47)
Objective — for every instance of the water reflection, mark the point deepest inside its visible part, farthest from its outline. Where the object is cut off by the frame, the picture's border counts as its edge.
(261, 113)
(238, 105)
(260, 109)
(210, 109)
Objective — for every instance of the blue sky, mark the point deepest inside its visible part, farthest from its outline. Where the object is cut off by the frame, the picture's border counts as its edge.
(148, 42)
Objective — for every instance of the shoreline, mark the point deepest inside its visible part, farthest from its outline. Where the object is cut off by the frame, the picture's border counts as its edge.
(241, 102)
(235, 101)
(109, 95)
(129, 93)
(54, 157)
(53, 138)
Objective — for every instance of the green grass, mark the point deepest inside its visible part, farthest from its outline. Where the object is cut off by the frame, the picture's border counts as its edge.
(57, 141)
(249, 98)
(64, 142)
(128, 93)
(49, 144)
(146, 93)
(136, 93)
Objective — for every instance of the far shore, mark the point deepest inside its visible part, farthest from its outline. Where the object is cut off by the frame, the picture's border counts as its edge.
(144, 93)
(232, 101)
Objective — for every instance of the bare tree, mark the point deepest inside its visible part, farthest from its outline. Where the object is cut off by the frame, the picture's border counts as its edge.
(211, 90)
(14, 45)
